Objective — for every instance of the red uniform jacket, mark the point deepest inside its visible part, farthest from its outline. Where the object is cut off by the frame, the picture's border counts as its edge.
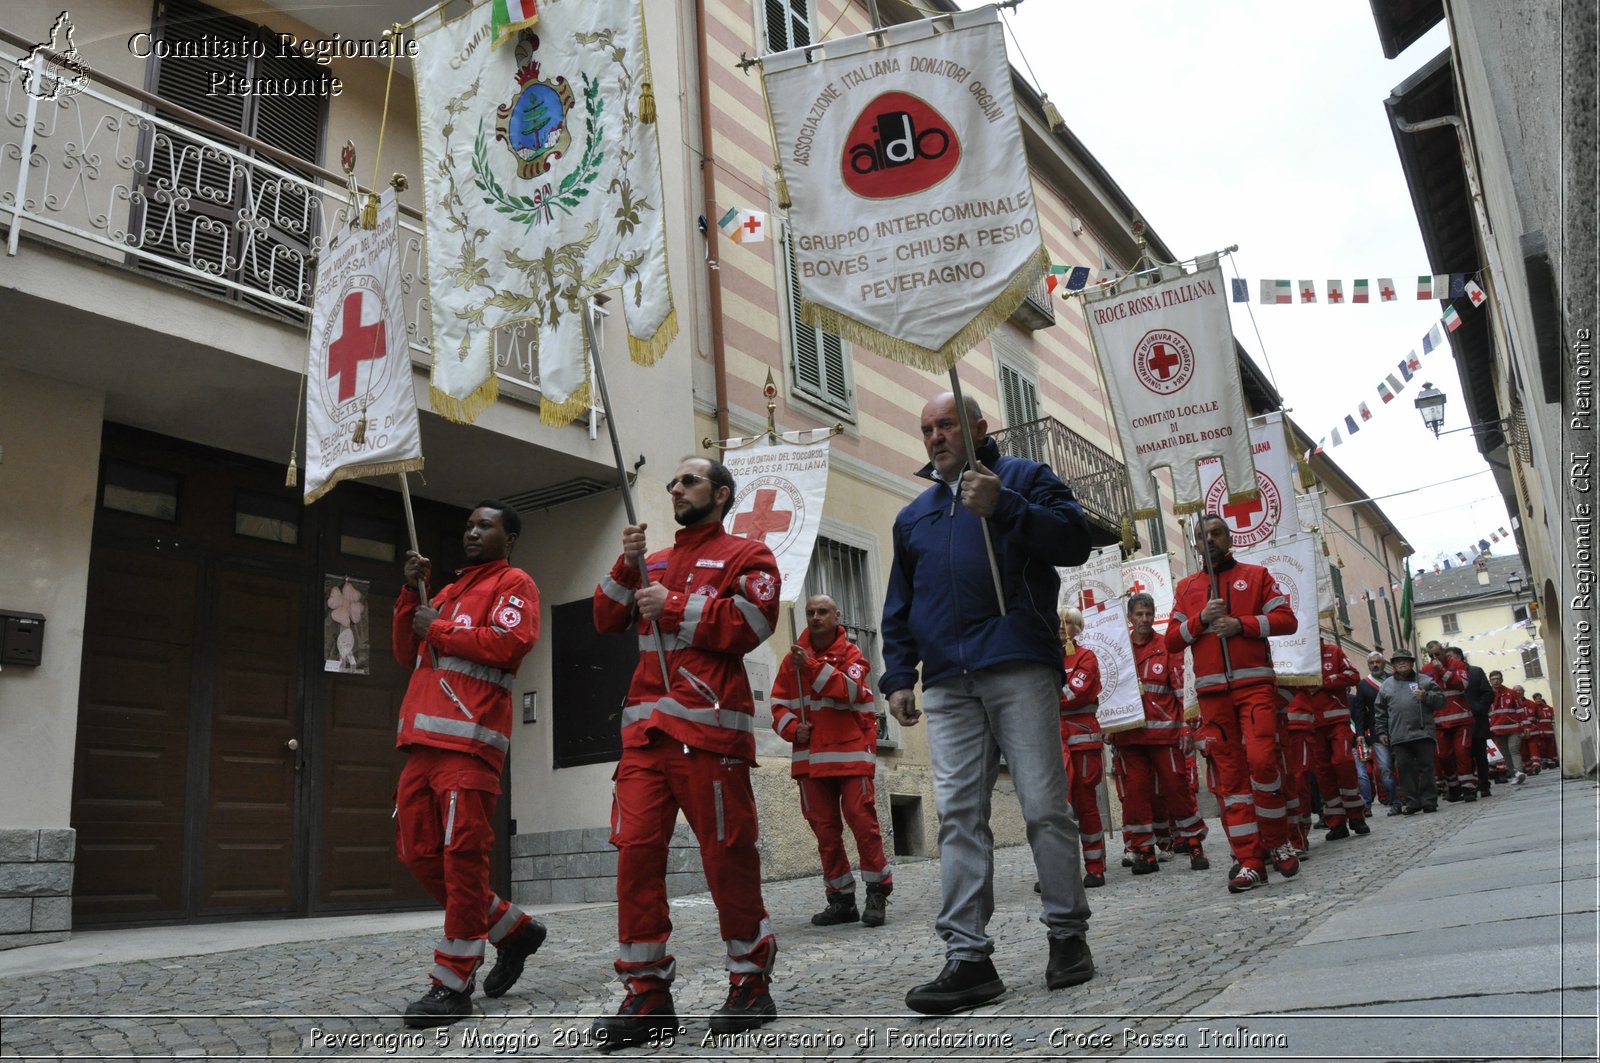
(838, 704)
(1160, 675)
(1452, 679)
(1544, 719)
(1530, 717)
(1505, 715)
(1250, 594)
(1330, 703)
(459, 696)
(1080, 697)
(722, 602)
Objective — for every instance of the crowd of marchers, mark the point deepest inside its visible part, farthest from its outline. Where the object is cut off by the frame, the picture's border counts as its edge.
(970, 617)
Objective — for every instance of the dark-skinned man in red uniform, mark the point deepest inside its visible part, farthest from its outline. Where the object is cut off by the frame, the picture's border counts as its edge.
(1224, 613)
(689, 746)
(463, 649)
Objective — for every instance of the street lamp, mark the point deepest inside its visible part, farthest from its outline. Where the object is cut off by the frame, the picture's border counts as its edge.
(1431, 405)
(1514, 582)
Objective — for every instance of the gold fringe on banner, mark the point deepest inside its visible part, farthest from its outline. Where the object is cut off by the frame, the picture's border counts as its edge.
(1146, 514)
(561, 414)
(649, 351)
(353, 472)
(464, 411)
(1298, 680)
(1183, 509)
(945, 358)
(1244, 496)
(1127, 535)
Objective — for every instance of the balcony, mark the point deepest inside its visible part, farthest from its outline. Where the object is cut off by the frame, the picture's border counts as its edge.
(1099, 480)
(1036, 311)
(94, 172)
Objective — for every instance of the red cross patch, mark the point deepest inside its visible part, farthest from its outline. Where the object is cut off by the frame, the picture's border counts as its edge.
(508, 617)
(1240, 585)
(463, 621)
(1078, 682)
(764, 587)
(1157, 668)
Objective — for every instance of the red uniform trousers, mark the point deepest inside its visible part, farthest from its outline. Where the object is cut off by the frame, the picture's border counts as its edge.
(444, 834)
(1155, 793)
(828, 802)
(1453, 757)
(1336, 774)
(1086, 765)
(1239, 735)
(652, 783)
(1299, 768)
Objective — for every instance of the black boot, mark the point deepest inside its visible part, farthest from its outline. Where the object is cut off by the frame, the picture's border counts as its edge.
(876, 912)
(1070, 961)
(513, 954)
(645, 1017)
(841, 909)
(961, 985)
(439, 1006)
(748, 1006)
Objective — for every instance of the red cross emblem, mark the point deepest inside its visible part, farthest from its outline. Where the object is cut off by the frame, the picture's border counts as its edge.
(752, 225)
(1335, 295)
(1308, 294)
(1242, 512)
(1162, 360)
(357, 343)
(1136, 586)
(1086, 600)
(763, 519)
(1387, 292)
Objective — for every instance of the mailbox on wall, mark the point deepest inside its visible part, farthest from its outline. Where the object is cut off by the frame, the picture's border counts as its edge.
(21, 638)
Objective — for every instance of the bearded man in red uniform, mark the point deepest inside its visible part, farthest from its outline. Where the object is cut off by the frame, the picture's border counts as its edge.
(1224, 614)
(689, 745)
(823, 704)
(455, 725)
(1148, 759)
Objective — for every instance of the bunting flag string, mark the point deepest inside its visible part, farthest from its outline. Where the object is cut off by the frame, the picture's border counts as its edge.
(1446, 560)
(1281, 291)
(1391, 385)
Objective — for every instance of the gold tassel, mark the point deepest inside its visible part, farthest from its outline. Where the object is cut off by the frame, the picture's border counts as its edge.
(359, 436)
(781, 186)
(647, 104)
(291, 478)
(1052, 116)
(369, 213)
(1068, 645)
(1127, 535)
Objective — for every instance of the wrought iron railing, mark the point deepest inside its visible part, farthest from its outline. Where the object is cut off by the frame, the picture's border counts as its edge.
(95, 170)
(1099, 480)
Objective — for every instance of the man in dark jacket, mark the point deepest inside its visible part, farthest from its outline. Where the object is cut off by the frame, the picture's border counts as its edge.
(1404, 721)
(1363, 697)
(991, 678)
(1480, 698)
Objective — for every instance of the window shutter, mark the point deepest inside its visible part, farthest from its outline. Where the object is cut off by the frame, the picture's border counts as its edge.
(788, 24)
(819, 358)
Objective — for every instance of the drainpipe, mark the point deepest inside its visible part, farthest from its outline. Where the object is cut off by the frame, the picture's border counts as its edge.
(708, 177)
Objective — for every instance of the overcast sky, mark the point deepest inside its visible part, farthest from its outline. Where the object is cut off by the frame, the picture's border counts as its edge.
(1262, 125)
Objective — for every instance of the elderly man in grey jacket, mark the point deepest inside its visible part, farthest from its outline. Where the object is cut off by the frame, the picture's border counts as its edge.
(1403, 713)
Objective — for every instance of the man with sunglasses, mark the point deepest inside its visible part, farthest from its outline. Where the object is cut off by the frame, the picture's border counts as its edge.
(688, 745)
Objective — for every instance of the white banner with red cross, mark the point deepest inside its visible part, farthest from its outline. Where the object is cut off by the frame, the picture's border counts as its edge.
(1273, 513)
(1167, 355)
(1152, 576)
(1297, 658)
(778, 494)
(361, 412)
(1092, 584)
(1105, 631)
(915, 227)
(1312, 519)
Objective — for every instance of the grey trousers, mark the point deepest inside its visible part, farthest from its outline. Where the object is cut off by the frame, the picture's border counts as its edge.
(972, 720)
(1413, 762)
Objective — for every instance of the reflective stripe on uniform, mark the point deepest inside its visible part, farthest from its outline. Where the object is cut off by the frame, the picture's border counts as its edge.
(753, 616)
(693, 610)
(616, 591)
(477, 671)
(462, 729)
(859, 757)
(712, 717)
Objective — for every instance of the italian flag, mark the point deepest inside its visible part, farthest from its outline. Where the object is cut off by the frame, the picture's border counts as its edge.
(1283, 292)
(1452, 320)
(509, 16)
(1358, 290)
(1425, 286)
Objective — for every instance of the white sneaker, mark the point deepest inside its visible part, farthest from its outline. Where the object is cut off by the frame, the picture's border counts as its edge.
(1520, 779)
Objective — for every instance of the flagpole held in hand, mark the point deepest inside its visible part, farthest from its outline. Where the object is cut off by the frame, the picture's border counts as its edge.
(622, 472)
(972, 463)
(1216, 592)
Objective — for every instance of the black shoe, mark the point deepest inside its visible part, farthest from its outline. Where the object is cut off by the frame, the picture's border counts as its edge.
(643, 1017)
(1430, 808)
(512, 956)
(1070, 962)
(1359, 826)
(1485, 792)
(841, 909)
(1396, 810)
(1036, 888)
(1453, 796)
(1197, 860)
(876, 913)
(1470, 796)
(1335, 833)
(749, 1005)
(1146, 863)
(439, 1006)
(1233, 869)
(1093, 880)
(961, 985)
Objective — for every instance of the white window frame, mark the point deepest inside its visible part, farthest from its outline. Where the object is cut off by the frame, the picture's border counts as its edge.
(1449, 624)
(792, 8)
(820, 400)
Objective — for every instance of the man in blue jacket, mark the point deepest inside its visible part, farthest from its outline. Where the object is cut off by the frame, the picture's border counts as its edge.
(991, 685)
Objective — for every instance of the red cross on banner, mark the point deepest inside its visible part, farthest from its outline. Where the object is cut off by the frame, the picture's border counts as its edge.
(1242, 512)
(1162, 360)
(752, 225)
(1086, 600)
(763, 519)
(357, 343)
(1137, 586)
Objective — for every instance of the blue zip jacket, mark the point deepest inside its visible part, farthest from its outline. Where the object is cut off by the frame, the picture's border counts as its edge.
(940, 609)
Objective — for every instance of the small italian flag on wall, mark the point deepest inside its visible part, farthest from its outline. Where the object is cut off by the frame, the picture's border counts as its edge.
(509, 16)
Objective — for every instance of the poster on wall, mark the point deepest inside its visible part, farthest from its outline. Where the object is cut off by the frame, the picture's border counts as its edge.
(346, 642)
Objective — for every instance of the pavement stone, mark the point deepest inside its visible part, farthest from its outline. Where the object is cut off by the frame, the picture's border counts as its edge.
(1467, 934)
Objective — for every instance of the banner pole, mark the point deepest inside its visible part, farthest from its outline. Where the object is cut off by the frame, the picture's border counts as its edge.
(1216, 592)
(622, 472)
(972, 463)
(411, 530)
(799, 676)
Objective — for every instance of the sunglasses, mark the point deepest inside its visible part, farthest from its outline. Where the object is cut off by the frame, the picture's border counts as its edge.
(688, 479)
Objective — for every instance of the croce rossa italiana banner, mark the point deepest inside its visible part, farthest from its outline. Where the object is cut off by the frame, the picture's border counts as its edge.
(913, 218)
